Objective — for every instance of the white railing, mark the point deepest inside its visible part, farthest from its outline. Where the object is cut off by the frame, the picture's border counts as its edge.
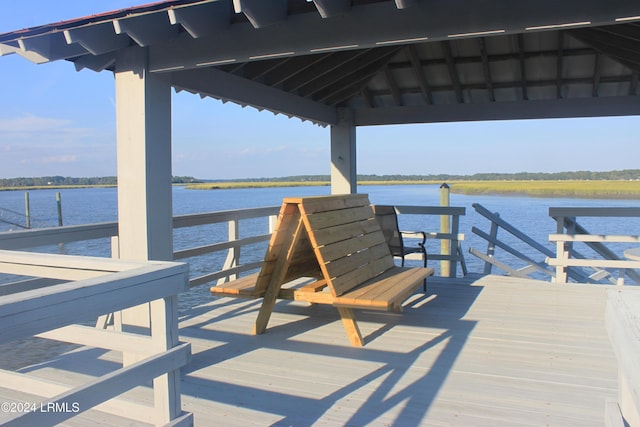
(87, 287)
(232, 247)
(531, 265)
(570, 232)
(455, 256)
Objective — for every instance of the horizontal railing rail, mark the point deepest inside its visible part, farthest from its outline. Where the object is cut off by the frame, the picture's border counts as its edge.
(231, 248)
(531, 265)
(90, 287)
(569, 232)
(455, 255)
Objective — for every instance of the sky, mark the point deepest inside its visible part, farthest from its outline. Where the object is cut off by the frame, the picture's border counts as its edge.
(56, 121)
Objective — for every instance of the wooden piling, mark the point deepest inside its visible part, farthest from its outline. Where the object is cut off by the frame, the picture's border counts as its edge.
(27, 210)
(59, 203)
(445, 228)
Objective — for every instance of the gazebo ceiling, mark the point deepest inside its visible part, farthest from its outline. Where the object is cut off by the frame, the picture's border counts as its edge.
(402, 61)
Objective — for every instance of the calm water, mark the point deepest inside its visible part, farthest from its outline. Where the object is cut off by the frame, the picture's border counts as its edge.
(82, 206)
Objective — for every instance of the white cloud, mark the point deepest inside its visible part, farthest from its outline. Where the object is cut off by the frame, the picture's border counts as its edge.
(31, 124)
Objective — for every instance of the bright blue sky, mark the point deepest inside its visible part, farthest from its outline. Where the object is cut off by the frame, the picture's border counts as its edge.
(56, 121)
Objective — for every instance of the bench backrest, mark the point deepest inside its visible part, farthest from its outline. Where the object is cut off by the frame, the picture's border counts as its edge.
(346, 238)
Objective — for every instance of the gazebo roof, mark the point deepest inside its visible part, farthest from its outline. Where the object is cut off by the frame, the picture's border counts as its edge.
(402, 61)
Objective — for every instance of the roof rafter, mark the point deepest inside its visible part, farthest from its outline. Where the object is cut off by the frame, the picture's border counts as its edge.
(453, 73)
(523, 66)
(419, 74)
(486, 68)
(559, 64)
(356, 65)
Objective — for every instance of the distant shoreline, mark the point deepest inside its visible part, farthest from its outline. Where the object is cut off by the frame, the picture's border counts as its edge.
(600, 189)
(596, 189)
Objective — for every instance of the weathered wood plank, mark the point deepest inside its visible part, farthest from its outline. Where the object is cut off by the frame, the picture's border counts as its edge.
(328, 219)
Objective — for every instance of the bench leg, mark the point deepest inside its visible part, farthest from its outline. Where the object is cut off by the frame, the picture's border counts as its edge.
(349, 321)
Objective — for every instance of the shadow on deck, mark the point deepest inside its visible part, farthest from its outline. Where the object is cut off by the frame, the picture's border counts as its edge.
(476, 351)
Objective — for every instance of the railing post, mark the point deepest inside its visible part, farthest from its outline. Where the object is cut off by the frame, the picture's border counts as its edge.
(165, 336)
(233, 255)
(445, 228)
(491, 247)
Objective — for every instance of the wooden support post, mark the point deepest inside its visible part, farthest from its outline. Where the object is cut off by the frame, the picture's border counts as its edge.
(353, 331)
(445, 228)
(288, 244)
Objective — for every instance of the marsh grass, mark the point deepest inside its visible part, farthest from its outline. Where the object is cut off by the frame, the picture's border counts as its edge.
(256, 184)
(571, 189)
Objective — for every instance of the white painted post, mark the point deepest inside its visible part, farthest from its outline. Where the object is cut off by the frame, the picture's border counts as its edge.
(143, 121)
(233, 254)
(164, 334)
(143, 113)
(344, 178)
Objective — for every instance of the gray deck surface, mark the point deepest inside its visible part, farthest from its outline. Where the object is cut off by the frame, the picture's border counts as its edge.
(487, 352)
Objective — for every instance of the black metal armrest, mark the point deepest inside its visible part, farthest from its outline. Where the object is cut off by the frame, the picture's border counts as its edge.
(416, 235)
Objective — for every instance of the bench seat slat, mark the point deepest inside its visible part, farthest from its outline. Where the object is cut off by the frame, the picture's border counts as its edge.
(387, 291)
(244, 287)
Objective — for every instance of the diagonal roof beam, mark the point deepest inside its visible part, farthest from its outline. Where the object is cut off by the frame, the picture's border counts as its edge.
(487, 68)
(328, 64)
(453, 73)
(348, 68)
(218, 84)
(293, 67)
(617, 48)
(419, 74)
(344, 89)
(393, 86)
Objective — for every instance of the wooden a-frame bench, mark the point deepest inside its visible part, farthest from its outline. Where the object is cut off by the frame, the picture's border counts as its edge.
(336, 241)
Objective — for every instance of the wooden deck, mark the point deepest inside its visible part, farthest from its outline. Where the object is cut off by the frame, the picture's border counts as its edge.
(488, 351)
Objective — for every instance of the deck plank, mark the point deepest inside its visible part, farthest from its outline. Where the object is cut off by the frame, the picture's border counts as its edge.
(495, 351)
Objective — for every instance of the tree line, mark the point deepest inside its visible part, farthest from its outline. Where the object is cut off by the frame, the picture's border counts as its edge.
(626, 174)
(57, 181)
